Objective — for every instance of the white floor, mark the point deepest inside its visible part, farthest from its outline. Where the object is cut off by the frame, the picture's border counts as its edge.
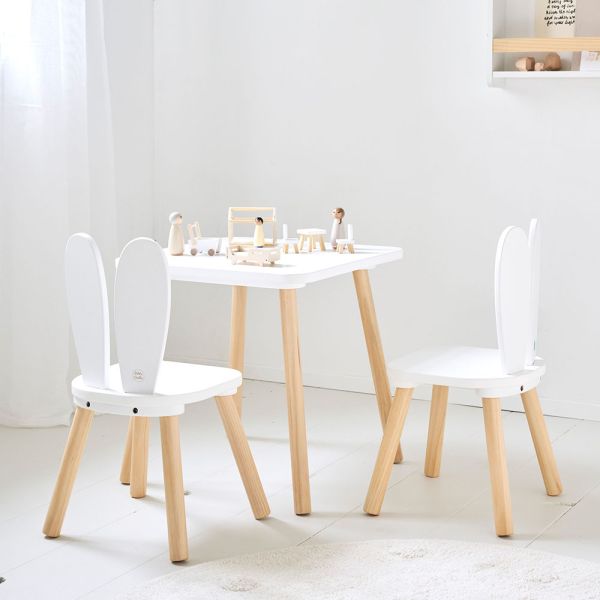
(111, 542)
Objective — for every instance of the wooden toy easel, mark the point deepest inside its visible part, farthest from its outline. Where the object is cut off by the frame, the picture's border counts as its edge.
(239, 244)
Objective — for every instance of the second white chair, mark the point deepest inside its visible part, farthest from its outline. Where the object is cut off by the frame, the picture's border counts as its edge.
(493, 373)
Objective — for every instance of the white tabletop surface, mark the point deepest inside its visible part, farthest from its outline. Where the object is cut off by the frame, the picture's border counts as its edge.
(292, 271)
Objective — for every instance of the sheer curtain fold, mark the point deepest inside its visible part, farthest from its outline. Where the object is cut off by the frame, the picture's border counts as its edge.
(56, 177)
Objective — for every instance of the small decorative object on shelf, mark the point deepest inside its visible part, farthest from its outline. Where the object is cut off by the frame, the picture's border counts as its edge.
(176, 241)
(286, 242)
(552, 62)
(337, 227)
(259, 233)
(590, 61)
(555, 18)
(346, 244)
(525, 63)
(313, 236)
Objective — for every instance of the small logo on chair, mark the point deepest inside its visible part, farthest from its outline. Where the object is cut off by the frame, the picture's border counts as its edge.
(138, 375)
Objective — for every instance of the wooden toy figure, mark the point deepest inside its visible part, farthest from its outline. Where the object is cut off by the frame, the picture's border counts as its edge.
(337, 228)
(259, 233)
(176, 241)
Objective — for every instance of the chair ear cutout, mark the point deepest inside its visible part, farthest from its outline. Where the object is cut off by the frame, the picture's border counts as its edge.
(142, 309)
(87, 302)
(513, 298)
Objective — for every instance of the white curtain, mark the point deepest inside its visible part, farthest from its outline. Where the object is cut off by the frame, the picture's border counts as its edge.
(56, 177)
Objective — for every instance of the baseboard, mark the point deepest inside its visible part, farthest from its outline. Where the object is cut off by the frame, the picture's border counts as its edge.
(364, 385)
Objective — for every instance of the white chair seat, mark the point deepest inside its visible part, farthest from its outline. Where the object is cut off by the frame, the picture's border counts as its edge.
(178, 384)
(464, 367)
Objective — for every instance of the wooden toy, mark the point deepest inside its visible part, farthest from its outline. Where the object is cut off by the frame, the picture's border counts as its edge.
(235, 219)
(347, 243)
(337, 228)
(525, 63)
(260, 257)
(210, 246)
(286, 242)
(259, 232)
(176, 241)
(552, 62)
(200, 245)
(313, 236)
(194, 233)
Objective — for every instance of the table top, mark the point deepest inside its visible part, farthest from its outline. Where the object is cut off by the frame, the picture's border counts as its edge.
(291, 272)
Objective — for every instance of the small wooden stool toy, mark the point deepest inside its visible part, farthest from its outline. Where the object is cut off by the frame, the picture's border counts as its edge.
(346, 243)
(313, 236)
(287, 242)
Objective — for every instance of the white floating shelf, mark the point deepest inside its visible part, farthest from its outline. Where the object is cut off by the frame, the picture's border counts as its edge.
(546, 75)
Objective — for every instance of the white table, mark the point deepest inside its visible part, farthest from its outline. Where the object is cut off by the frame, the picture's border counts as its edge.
(295, 271)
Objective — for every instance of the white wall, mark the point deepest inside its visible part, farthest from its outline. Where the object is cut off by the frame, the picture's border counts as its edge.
(381, 107)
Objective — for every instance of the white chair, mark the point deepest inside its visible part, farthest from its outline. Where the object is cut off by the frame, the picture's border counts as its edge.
(493, 373)
(142, 385)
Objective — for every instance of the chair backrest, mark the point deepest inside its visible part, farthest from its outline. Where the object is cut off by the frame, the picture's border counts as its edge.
(87, 301)
(513, 299)
(535, 250)
(142, 309)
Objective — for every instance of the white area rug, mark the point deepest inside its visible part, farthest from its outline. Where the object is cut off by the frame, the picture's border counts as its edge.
(390, 569)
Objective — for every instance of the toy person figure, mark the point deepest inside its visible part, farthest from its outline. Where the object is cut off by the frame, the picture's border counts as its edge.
(259, 233)
(337, 229)
(176, 241)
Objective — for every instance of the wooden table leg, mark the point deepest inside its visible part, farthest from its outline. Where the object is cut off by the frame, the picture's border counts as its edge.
(239, 296)
(295, 398)
(322, 243)
(374, 348)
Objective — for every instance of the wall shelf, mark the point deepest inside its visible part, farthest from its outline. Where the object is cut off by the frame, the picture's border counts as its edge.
(533, 44)
(499, 75)
(511, 35)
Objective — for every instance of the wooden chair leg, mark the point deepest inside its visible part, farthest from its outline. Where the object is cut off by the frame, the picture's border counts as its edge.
(366, 305)
(171, 454)
(295, 400)
(243, 456)
(139, 457)
(296, 251)
(239, 297)
(435, 437)
(126, 463)
(322, 243)
(76, 441)
(301, 243)
(387, 451)
(351, 248)
(541, 441)
(492, 415)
